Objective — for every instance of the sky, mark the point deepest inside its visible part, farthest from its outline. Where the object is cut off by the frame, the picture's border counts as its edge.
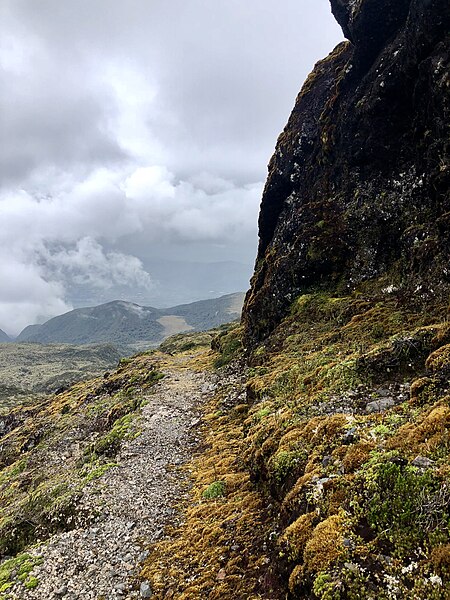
(134, 142)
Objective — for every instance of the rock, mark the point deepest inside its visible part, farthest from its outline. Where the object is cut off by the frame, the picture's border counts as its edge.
(145, 590)
(326, 460)
(221, 575)
(380, 405)
(62, 591)
(422, 462)
(345, 145)
(350, 436)
(383, 392)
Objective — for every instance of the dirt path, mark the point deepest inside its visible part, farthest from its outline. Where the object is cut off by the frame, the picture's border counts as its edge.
(134, 501)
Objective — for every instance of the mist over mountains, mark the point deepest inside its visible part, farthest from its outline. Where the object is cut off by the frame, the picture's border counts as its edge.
(130, 326)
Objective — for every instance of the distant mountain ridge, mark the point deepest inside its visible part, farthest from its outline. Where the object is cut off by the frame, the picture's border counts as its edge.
(128, 324)
(4, 338)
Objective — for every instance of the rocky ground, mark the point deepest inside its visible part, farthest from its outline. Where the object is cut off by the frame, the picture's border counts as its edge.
(132, 503)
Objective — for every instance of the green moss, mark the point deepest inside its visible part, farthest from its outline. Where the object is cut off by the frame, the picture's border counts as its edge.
(98, 471)
(184, 342)
(110, 443)
(404, 505)
(261, 414)
(215, 490)
(326, 587)
(31, 583)
(229, 346)
(17, 569)
(285, 462)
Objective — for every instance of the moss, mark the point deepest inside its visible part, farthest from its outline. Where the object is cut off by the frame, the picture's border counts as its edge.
(215, 490)
(422, 390)
(325, 546)
(97, 471)
(186, 342)
(440, 559)
(404, 505)
(284, 463)
(326, 587)
(229, 345)
(31, 583)
(296, 536)
(356, 455)
(429, 435)
(18, 569)
(439, 359)
(110, 443)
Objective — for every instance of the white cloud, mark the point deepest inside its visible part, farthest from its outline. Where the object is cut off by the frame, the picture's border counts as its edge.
(56, 242)
(137, 127)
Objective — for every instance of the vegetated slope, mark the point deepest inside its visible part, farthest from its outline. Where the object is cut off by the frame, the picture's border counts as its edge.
(125, 323)
(346, 323)
(52, 449)
(357, 194)
(4, 339)
(34, 369)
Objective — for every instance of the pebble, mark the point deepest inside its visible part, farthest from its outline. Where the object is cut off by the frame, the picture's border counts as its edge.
(145, 590)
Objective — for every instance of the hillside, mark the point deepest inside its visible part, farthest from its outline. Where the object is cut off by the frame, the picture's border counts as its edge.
(4, 339)
(27, 370)
(133, 327)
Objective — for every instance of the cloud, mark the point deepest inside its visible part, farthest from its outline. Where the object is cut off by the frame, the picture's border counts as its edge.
(28, 297)
(58, 242)
(138, 129)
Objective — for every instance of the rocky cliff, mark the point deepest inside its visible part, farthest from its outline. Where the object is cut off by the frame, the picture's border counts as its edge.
(357, 192)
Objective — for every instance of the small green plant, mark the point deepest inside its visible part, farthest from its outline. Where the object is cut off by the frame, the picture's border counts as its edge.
(284, 462)
(262, 414)
(18, 569)
(404, 505)
(326, 588)
(31, 583)
(382, 430)
(217, 489)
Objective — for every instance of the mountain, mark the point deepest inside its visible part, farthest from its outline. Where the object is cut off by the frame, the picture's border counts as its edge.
(357, 192)
(129, 324)
(175, 282)
(4, 339)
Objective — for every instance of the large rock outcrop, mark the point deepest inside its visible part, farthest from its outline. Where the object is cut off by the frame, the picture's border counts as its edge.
(357, 192)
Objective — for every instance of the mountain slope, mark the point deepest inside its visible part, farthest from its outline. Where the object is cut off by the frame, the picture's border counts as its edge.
(125, 323)
(4, 338)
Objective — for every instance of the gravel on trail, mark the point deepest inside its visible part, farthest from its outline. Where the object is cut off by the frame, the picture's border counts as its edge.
(133, 502)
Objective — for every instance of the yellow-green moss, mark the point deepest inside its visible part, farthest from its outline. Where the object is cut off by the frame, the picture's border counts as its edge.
(325, 546)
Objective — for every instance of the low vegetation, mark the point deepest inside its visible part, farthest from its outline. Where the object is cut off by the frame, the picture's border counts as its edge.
(52, 448)
(334, 469)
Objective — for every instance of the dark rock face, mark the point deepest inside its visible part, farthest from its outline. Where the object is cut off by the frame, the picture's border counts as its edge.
(358, 186)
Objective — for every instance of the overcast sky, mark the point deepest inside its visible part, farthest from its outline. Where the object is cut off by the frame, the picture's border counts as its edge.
(136, 130)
